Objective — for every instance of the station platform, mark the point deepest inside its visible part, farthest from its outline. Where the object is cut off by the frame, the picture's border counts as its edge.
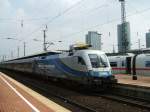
(15, 97)
(127, 79)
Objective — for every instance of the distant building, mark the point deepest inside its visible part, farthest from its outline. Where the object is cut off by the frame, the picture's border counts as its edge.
(124, 43)
(148, 39)
(94, 39)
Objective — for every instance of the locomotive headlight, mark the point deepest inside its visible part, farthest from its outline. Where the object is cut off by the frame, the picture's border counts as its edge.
(91, 73)
(110, 72)
(105, 73)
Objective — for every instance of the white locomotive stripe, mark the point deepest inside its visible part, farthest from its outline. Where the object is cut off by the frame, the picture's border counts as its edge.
(23, 98)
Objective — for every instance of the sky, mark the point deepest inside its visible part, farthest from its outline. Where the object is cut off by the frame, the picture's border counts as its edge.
(67, 21)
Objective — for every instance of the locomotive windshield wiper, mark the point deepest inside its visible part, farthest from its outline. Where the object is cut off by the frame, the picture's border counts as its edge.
(103, 61)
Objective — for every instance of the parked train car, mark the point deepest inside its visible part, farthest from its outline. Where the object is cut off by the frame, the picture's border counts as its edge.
(88, 67)
(141, 64)
(138, 64)
(120, 64)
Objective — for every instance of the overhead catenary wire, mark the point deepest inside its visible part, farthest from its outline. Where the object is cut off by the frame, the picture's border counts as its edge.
(101, 24)
(93, 26)
(55, 17)
(46, 17)
(51, 20)
(108, 22)
(27, 19)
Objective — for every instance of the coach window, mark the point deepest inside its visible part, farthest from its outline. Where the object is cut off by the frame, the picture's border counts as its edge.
(113, 64)
(81, 61)
(43, 57)
(122, 63)
(147, 63)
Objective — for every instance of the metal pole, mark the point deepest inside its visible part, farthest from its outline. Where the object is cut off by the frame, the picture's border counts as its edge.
(44, 43)
(11, 54)
(18, 51)
(3, 58)
(24, 48)
(113, 48)
(139, 43)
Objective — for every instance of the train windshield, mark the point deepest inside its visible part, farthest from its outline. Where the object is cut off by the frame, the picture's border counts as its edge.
(98, 60)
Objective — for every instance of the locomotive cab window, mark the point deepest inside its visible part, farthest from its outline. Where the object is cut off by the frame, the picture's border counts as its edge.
(98, 61)
(81, 61)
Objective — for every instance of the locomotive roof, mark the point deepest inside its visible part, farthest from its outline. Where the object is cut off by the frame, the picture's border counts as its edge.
(38, 54)
(90, 51)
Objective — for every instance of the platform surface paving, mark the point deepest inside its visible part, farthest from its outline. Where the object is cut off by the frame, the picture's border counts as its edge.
(127, 79)
(15, 97)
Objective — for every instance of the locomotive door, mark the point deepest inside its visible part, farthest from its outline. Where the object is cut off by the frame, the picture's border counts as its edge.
(128, 65)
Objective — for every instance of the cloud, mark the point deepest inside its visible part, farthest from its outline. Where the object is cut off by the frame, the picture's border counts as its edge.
(4, 4)
(71, 26)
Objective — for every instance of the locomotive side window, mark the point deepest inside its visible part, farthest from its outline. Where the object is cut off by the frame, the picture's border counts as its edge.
(80, 60)
(43, 57)
(113, 64)
(123, 63)
(147, 63)
(103, 60)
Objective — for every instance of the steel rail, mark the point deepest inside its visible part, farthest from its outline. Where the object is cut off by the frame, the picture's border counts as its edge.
(66, 100)
(128, 100)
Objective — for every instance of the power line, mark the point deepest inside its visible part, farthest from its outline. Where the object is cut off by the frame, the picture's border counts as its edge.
(55, 17)
(51, 20)
(102, 24)
(2, 35)
(130, 4)
(109, 22)
(28, 19)
(41, 18)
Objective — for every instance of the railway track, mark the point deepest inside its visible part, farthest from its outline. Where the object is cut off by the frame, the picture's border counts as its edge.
(64, 99)
(128, 100)
(123, 99)
(84, 102)
(44, 88)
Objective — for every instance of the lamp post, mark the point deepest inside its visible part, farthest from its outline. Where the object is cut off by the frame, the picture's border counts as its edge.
(11, 54)
(18, 49)
(139, 43)
(24, 48)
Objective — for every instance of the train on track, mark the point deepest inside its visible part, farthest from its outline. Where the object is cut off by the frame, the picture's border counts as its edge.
(79, 65)
(138, 64)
